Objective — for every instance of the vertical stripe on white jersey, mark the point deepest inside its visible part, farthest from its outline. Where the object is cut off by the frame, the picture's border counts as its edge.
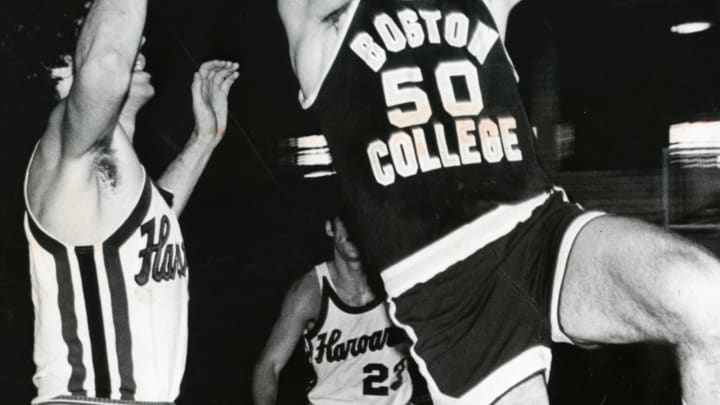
(66, 299)
(121, 320)
(118, 291)
(109, 327)
(99, 334)
(96, 328)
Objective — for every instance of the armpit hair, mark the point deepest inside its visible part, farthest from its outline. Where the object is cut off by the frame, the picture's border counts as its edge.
(105, 163)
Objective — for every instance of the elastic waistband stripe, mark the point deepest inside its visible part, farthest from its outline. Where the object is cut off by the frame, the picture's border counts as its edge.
(457, 245)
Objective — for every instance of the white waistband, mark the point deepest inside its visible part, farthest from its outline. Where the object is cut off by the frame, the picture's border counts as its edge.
(458, 245)
(78, 400)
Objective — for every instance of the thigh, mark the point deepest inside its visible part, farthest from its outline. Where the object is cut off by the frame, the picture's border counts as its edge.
(629, 281)
(531, 391)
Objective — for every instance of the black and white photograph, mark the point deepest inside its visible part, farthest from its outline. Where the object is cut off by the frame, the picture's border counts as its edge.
(371, 202)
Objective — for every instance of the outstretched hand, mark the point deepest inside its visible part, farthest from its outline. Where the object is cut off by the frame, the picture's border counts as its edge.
(210, 88)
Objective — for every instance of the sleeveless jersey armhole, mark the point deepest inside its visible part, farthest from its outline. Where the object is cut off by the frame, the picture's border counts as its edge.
(322, 275)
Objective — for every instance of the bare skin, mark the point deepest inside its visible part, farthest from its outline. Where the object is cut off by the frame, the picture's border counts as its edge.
(301, 309)
(85, 170)
(210, 88)
(625, 282)
(628, 281)
(85, 176)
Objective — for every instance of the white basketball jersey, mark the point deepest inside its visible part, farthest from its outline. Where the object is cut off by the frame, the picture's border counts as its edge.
(353, 353)
(111, 318)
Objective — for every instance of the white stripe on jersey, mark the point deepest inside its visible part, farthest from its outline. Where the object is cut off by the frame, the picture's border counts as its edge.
(458, 245)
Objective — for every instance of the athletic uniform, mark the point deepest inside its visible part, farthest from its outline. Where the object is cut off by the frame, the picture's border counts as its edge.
(111, 318)
(353, 353)
(444, 195)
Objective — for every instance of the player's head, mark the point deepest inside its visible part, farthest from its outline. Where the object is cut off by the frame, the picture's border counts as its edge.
(342, 243)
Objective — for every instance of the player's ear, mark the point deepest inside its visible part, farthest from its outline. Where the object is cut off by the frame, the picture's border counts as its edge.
(329, 228)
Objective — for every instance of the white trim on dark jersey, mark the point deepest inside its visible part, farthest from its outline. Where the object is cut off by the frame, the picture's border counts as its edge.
(307, 100)
(435, 258)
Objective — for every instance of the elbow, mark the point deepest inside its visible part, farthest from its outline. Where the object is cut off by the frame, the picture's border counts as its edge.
(265, 372)
(259, 370)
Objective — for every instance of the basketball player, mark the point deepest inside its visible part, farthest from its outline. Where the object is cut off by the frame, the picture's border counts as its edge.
(484, 261)
(107, 258)
(349, 340)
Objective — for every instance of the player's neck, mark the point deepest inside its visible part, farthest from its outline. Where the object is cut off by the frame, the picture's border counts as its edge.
(351, 280)
(348, 269)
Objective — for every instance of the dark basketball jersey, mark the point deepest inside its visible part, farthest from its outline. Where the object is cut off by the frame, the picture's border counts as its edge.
(424, 122)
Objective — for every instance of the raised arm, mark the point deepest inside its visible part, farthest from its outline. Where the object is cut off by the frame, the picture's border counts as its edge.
(293, 14)
(312, 29)
(104, 58)
(301, 305)
(210, 89)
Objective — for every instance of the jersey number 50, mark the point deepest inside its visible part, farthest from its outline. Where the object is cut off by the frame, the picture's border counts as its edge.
(398, 91)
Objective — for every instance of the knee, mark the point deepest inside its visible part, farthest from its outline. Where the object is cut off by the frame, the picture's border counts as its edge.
(692, 296)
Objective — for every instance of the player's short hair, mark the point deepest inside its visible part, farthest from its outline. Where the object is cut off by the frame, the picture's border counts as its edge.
(54, 35)
(332, 205)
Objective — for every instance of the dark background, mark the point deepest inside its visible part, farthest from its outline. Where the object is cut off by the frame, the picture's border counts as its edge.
(607, 72)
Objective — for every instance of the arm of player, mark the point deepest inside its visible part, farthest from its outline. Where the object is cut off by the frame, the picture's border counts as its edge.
(210, 89)
(293, 15)
(301, 305)
(312, 28)
(104, 58)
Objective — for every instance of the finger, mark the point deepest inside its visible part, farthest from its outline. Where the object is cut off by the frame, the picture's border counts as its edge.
(230, 69)
(225, 87)
(196, 89)
(139, 62)
(140, 77)
(233, 66)
(196, 84)
(213, 73)
(207, 67)
(222, 75)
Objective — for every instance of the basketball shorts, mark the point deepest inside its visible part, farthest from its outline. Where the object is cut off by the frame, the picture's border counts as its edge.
(74, 400)
(484, 324)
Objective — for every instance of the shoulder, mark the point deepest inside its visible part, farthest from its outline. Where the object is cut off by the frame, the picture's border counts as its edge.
(45, 164)
(49, 145)
(304, 297)
(79, 199)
